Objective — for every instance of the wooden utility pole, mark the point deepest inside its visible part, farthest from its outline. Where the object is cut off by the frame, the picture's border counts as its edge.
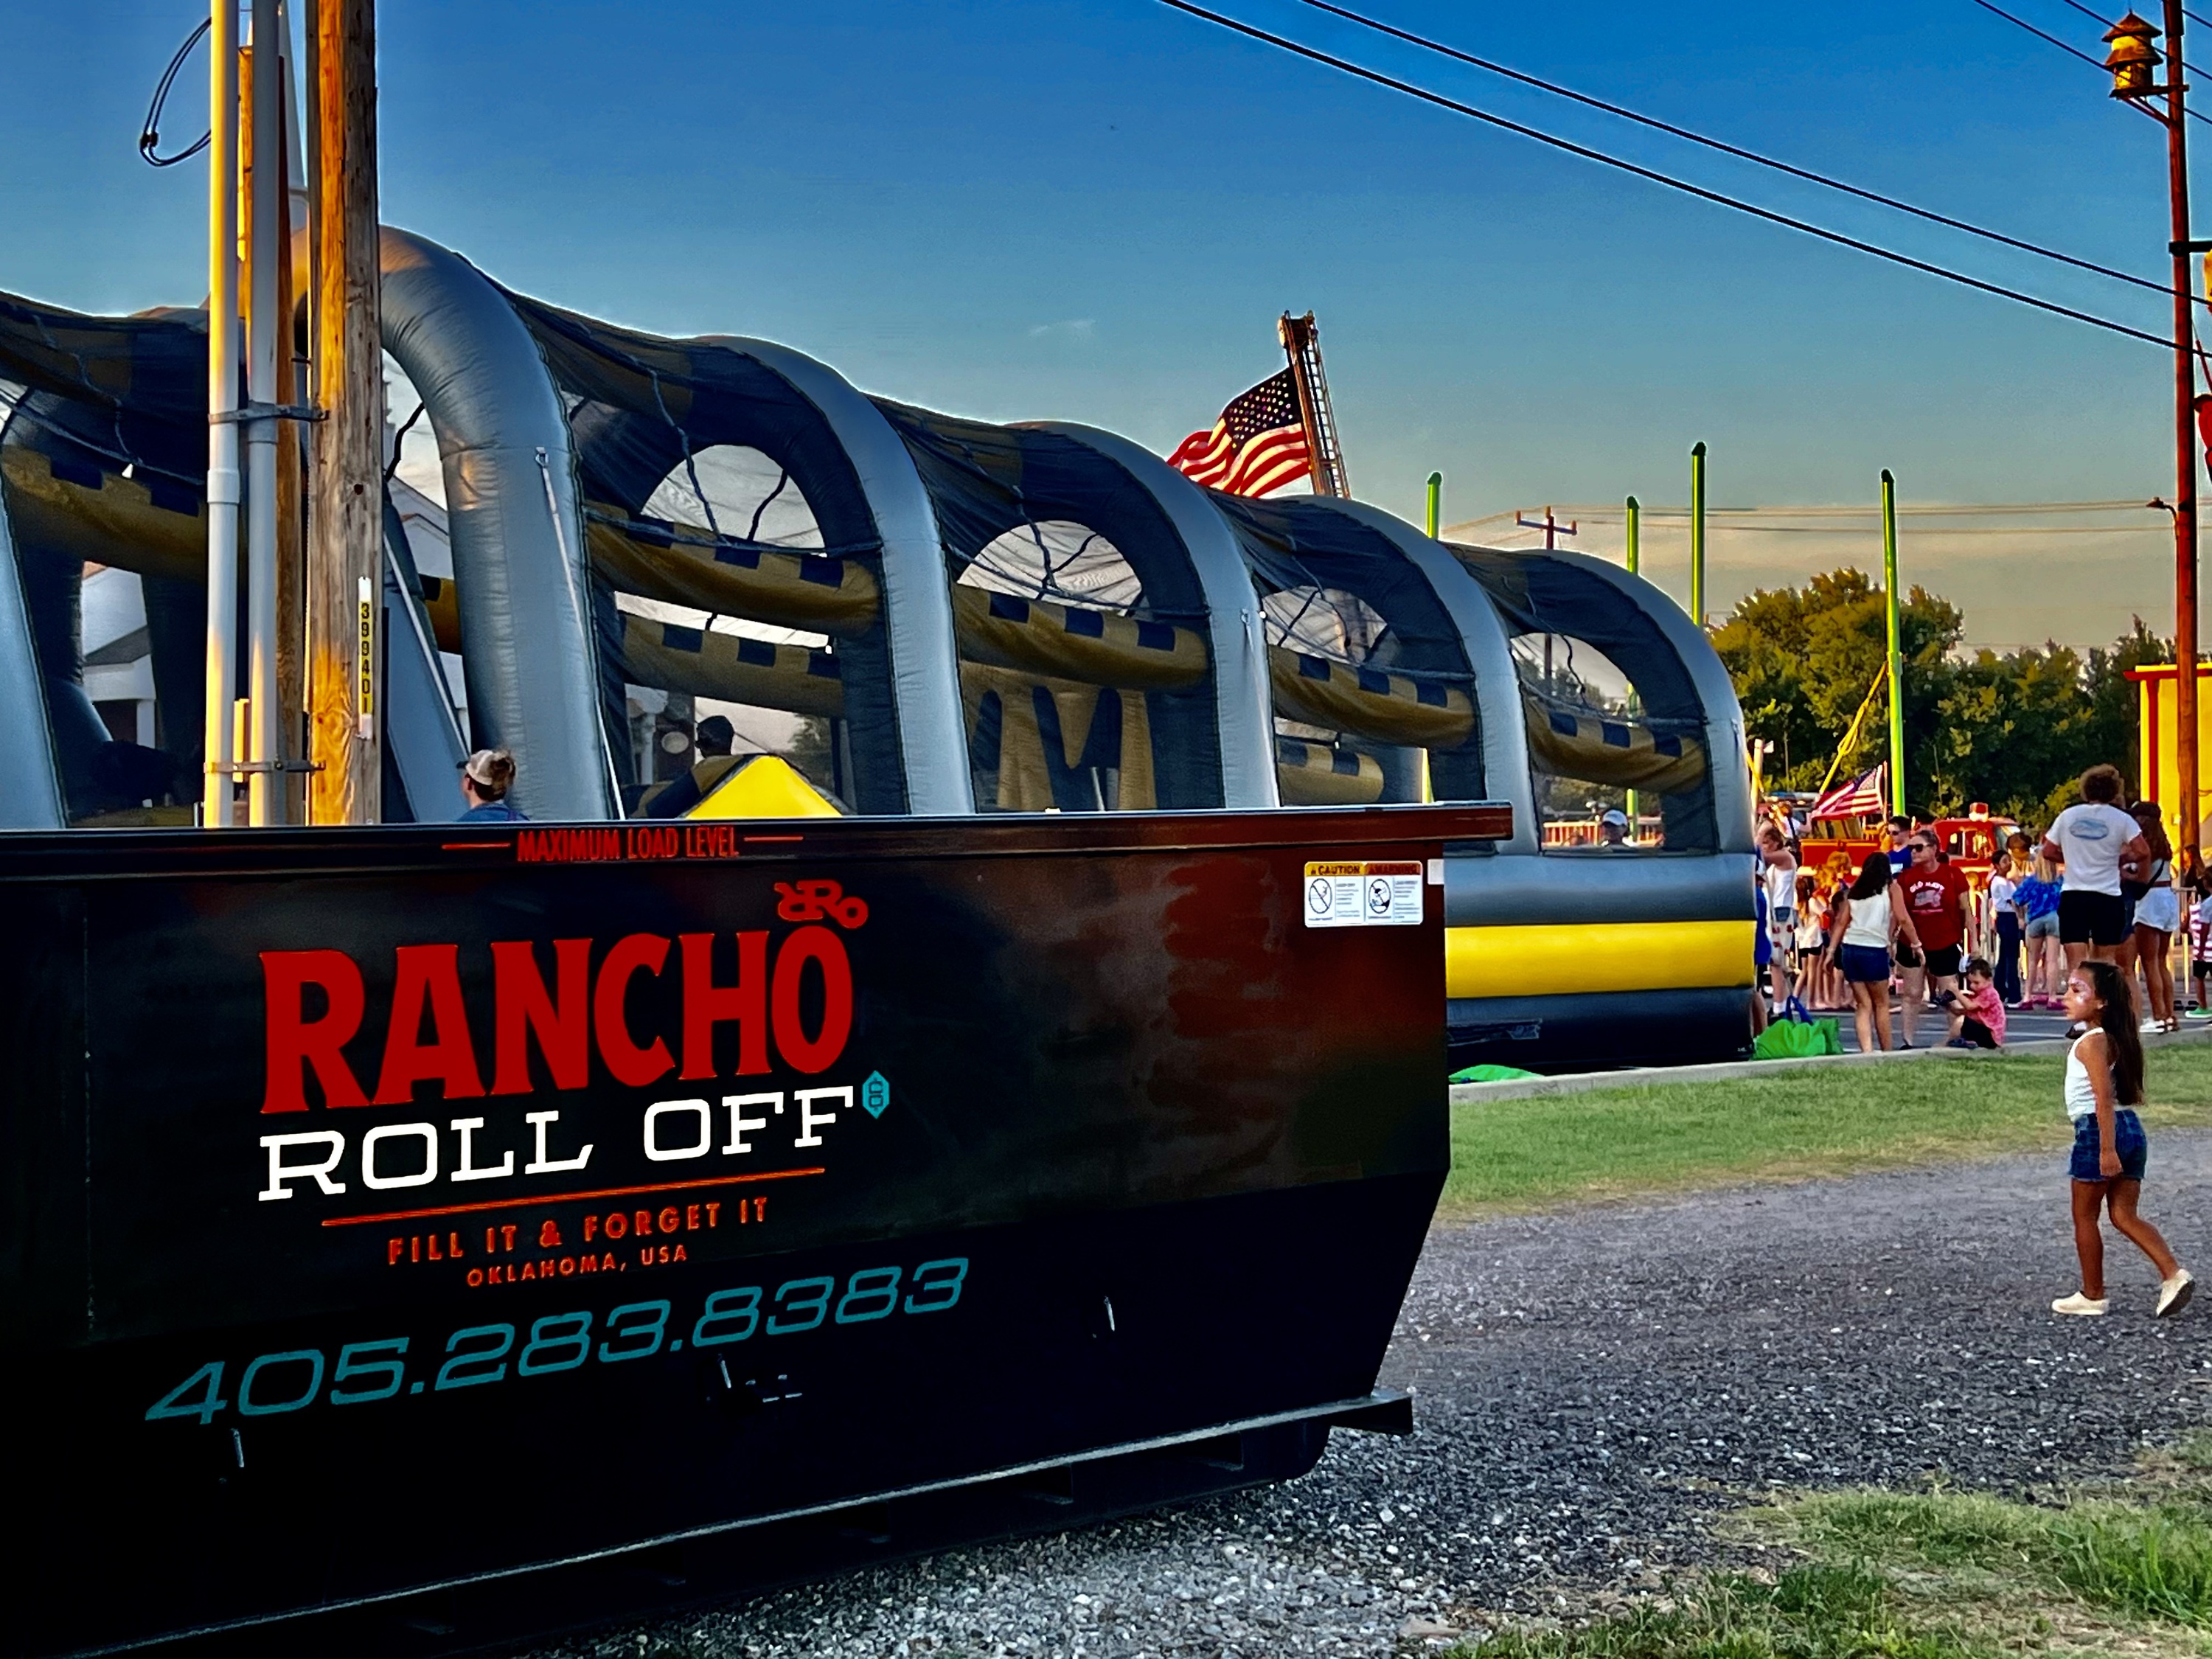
(345, 592)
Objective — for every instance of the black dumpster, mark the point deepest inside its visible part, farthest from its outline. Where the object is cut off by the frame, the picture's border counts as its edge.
(442, 1234)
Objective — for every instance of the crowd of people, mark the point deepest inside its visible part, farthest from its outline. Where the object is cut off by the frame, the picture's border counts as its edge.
(1905, 937)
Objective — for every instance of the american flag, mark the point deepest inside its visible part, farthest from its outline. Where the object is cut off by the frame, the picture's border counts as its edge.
(1867, 793)
(1259, 444)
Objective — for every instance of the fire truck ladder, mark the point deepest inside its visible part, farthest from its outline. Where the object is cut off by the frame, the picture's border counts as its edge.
(1302, 344)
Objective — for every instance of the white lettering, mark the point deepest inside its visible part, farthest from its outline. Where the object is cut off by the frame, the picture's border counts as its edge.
(809, 1120)
(545, 1163)
(740, 1123)
(425, 1133)
(660, 1154)
(330, 1140)
(467, 1127)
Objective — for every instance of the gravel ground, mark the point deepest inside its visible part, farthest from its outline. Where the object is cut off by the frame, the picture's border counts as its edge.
(1591, 1388)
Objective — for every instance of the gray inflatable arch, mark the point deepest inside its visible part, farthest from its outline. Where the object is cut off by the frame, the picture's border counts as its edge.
(1733, 807)
(516, 529)
(1505, 774)
(30, 787)
(1243, 703)
(917, 604)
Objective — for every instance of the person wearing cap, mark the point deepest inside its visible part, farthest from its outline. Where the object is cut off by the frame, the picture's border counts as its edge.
(715, 739)
(1613, 830)
(486, 777)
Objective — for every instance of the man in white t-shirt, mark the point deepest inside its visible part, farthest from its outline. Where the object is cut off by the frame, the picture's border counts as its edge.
(2094, 839)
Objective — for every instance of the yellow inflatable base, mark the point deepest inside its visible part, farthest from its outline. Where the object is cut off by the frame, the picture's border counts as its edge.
(1623, 955)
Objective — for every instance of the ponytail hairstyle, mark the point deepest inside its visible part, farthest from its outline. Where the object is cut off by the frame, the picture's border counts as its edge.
(2146, 814)
(2115, 1017)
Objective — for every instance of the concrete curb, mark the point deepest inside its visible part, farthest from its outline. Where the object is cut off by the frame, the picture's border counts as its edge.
(1642, 1077)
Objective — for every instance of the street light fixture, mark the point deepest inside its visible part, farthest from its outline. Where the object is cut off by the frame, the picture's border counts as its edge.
(2134, 62)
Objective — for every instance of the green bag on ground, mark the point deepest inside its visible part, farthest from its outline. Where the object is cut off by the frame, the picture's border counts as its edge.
(1798, 1039)
(1490, 1074)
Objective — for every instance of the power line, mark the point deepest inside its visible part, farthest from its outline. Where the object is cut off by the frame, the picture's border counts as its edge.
(1347, 67)
(2094, 63)
(1610, 512)
(1740, 153)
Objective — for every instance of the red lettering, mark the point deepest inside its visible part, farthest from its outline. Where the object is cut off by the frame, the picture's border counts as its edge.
(706, 1005)
(530, 1270)
(691, 1218)
(434, 1254)
(760, 1208)
(522, 1008)
(630, 1064)
(712, 1210)
(453, 1245)
(589, 1264)
(393, 1250)
(591, 1228)
(296, 1043)
(670, 1220)
(568, 1266)
(475, 1276)
(507, 1237)
(428, 974)
(643, 1222)
(815, 944)
(679, 1255)
(617, 1225)
(549, 1235)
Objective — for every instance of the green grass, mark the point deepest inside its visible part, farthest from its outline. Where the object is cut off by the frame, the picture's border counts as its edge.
(2134, 1555)
(1816, 1611)
(1530, 1153)
(1933, 1575)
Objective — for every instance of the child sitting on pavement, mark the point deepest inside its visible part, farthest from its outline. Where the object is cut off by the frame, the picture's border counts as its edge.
(1978, 1013)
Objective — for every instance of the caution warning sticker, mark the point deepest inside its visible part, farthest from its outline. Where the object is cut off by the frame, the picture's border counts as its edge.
(1369, 895)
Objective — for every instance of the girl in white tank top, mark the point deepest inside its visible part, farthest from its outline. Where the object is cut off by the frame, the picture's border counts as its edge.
(2103, 1086)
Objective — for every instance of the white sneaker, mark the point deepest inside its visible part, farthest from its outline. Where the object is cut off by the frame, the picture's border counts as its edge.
(2173, 1295)
(2080, 1306)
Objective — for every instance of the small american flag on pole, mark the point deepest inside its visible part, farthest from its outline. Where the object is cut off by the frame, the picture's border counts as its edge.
(1867, 793)
(1259, 444)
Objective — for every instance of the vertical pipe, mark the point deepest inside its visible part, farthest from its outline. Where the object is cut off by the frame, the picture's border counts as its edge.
(2184, 453)
(1698, 533)
(1635, 564)
(265, 802)
(1436, 504)
(222, 491)
(1896, 649)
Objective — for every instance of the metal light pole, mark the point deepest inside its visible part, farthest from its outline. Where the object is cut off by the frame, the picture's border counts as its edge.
(1698, 533)
(1896, 648)
(222, 478)
(2133, 62)
(1635, 560)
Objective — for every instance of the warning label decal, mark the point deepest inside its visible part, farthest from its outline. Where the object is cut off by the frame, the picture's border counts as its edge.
(1369, 895)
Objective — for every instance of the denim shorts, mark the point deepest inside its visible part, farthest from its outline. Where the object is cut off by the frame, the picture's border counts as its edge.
(2134, 1147)
(1866, 964)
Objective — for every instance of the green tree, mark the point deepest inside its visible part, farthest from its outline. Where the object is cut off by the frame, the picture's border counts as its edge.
(1804, 659)
(2013, 730)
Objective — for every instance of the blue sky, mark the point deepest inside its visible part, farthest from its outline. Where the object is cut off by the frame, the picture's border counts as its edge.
(1093, 210)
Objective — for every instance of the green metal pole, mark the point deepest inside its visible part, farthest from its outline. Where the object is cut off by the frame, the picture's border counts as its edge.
(1635, 560)
(1435, 503)
(1896, 652)
(1698, 534)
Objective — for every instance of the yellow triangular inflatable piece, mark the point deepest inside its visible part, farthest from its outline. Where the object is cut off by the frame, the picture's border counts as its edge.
(765, 786)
